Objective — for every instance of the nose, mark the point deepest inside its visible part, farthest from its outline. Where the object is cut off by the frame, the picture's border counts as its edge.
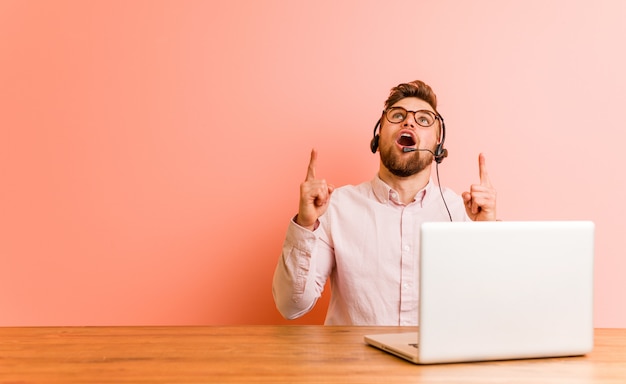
(409, 121)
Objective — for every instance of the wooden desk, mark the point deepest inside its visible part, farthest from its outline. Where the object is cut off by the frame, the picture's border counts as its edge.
(267, 354)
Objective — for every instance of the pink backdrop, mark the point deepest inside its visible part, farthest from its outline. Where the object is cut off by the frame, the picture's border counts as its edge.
(151, 151)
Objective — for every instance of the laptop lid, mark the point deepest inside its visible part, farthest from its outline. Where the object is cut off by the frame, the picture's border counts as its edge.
(504, 290)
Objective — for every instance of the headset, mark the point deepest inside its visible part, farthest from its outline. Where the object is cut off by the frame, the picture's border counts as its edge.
(440, 152)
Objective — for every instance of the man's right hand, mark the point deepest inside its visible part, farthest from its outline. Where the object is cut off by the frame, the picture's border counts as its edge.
(314, 196)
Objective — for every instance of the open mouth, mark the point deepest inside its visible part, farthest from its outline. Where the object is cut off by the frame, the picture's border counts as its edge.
(406, 139)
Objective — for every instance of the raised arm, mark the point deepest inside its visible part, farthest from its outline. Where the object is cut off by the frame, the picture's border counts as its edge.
(307, 259)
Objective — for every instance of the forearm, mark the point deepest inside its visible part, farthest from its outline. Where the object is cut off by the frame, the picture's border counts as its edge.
(301, 272)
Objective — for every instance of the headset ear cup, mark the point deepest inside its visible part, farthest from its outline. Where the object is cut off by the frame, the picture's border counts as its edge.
(374, 143)
(440, 153)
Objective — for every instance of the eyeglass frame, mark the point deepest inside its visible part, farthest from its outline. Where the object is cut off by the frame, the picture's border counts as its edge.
(436, 116)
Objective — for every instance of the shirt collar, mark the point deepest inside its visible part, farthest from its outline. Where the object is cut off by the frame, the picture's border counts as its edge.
(384, 193)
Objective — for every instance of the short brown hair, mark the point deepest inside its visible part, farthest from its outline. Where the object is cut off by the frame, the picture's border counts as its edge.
(415, 88)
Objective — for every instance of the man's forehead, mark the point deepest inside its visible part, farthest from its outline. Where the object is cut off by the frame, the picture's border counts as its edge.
(413, 104)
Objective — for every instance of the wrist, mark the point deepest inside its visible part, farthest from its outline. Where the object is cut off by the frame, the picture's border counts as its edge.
(310, 227)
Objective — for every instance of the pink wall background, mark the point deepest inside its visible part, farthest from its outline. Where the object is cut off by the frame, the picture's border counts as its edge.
(151, 151)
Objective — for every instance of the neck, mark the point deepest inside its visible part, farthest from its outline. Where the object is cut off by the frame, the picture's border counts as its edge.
(407, 187)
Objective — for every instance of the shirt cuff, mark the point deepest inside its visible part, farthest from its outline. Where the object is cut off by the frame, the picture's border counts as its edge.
(316, 225)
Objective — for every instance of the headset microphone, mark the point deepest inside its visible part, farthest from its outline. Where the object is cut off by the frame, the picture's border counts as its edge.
(439, 154)
(411, 149)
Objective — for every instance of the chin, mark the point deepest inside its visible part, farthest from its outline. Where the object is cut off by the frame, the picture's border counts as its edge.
(405, 166)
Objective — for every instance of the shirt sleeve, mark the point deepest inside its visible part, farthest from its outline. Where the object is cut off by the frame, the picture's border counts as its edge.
(302, 270)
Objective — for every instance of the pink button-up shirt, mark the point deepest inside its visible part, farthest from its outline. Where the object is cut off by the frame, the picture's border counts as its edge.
(368, 244)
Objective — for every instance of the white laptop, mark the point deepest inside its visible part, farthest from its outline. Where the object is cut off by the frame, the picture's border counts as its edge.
(500, 290)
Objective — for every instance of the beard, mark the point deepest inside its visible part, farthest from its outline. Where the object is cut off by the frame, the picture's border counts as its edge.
(405, 166)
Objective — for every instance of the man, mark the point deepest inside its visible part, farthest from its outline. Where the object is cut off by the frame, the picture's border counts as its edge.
(366, 237)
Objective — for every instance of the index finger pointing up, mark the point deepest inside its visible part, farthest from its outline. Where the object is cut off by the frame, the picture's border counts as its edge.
(482, 170)
(310, 173)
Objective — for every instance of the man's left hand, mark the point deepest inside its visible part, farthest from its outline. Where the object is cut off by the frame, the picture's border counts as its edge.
(480, 201)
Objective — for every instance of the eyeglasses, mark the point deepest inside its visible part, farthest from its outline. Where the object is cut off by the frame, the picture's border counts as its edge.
(423, 117)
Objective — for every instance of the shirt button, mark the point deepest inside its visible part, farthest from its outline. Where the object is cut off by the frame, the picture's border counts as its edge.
(406, 248)
(406, 285)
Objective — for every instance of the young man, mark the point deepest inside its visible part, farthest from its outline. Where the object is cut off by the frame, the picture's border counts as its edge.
(366, 237)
